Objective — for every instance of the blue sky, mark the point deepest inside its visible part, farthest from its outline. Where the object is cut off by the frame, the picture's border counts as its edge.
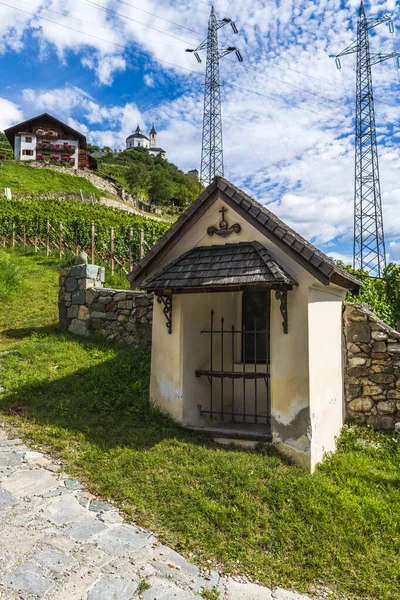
(288, 113)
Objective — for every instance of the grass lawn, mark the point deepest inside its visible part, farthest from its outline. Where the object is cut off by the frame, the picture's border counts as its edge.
(23, 179)
(247, 512)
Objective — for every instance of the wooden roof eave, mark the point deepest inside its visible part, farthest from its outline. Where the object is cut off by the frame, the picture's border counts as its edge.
(209, 289)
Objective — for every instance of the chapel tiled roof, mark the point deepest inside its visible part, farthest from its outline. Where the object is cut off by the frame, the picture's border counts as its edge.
(242, 264)
(312, 259)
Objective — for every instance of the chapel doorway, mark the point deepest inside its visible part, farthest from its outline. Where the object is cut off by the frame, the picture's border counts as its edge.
(239, 367)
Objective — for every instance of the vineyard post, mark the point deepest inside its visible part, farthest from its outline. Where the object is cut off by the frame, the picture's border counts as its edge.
(13, 235)
(24, 234)
(141, 244)
(112, 249)
(4, 241)
(92, 243)
(130, 249)
(35, 242)
(47, 237)
(76, 241)
(61, 241)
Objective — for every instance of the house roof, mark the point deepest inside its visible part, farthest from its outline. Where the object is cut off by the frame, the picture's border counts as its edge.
(156, 149)
(310, 258)
(241, 265)
(11, 132)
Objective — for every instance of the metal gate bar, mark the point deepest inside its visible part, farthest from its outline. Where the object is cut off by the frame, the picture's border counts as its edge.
(254, 373)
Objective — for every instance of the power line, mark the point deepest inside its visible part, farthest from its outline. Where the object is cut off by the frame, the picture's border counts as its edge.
(369, 240)
(114, 12)
(182, 2)
(297, 87)
(159, 60)
(158, 17)
(303, 177)
(101, 39)
(317, 17)
(281, 100)
(340, 87)
(212, 159)
(91, 22)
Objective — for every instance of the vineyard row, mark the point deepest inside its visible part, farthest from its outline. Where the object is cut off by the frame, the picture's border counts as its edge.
(122, 247)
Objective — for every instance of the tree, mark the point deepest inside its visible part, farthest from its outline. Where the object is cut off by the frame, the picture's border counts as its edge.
(93, 148)
(161, 188)
(188, 188)
(137, 178)
(380, 294)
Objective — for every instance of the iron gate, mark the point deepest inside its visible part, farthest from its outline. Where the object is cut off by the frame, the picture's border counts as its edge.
(242, 394)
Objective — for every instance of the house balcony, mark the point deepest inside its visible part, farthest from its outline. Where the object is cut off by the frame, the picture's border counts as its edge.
(47, 147)
(47, 133)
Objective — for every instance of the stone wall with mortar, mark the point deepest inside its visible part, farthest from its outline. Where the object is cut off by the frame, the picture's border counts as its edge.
(85, 307)
(372, 369)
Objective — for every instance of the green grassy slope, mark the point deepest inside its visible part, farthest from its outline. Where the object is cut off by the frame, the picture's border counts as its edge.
(246, 512)
(5, 147)
(23, 179)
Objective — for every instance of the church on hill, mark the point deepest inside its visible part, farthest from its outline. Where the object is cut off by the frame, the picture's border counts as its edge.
(139, 140)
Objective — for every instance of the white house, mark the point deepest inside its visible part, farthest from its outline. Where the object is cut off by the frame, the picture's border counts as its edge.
(45, 137)
(247, 326)
(139, 140)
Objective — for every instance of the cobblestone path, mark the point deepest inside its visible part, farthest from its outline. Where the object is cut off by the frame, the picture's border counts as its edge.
(58, 542)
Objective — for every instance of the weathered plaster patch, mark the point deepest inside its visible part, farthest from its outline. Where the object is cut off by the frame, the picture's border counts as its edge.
(291, 439)
(303, 459)
(168, 390)
(294, 429)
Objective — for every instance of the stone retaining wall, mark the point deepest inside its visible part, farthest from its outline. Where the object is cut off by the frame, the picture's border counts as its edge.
(372, 369)
(85, 306)
(371, 348)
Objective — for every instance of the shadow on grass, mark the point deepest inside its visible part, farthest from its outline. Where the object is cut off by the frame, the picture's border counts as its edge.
(26, 332)
(107, 403)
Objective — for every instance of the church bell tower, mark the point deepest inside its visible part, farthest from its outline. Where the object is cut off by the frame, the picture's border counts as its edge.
(153, 137)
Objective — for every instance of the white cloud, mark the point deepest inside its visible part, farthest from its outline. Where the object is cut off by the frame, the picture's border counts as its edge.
(10, 114)
(148, 80)
(290, 144)
(394, 252)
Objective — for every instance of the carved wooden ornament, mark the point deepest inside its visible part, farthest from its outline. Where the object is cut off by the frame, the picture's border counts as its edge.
(223, 230)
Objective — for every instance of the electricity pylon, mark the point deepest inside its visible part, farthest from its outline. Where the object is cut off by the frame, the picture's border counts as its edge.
(369, 240)
(212, 158)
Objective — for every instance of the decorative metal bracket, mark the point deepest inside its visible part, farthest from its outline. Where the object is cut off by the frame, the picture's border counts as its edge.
(223, 230)
(167, 310)
(282, 296)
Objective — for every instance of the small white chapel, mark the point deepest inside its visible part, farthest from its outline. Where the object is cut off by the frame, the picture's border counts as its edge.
(139, 140)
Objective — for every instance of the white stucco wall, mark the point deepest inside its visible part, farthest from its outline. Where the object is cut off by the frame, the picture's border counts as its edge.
(167, 360)
(24, 145)
(20, 144)
(325, 369)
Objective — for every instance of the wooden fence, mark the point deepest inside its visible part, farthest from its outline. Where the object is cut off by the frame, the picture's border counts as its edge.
(107, 255)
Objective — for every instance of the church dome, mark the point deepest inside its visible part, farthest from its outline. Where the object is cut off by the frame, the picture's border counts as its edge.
(137, 136)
